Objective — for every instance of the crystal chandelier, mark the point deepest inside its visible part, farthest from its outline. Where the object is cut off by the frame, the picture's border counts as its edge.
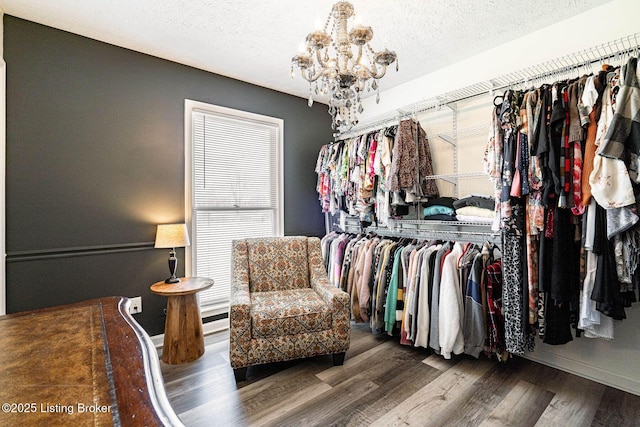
(338, 70)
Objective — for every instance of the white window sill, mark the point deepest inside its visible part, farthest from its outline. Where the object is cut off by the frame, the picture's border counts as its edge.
(214, 310)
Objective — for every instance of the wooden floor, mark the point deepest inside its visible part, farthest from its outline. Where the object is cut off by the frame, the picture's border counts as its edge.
(383, 383)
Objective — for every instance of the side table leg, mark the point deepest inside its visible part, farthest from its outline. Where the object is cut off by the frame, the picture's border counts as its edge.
(183, 338)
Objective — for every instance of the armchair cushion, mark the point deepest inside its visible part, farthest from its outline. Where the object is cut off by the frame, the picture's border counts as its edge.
(289, 312)
(277, 264)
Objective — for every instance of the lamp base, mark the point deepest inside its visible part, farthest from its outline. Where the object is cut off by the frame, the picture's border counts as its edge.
(173, 264)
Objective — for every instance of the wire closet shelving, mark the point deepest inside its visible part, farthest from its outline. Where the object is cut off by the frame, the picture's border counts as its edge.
(563, 67)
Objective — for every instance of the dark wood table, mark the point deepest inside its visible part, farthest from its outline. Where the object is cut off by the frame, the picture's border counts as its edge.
(183, 338)
(82, 364)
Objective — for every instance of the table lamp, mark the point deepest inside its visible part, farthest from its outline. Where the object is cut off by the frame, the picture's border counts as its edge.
(172, 236)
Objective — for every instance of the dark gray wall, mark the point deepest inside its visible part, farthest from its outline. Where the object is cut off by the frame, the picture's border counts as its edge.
(95, 158)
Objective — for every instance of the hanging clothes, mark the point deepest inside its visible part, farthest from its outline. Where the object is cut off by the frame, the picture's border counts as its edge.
(475, 306)
(495, 319)
(411, 163)
(429, 294)
(623, 134)
(451, 336)
(374, 175)
(581, 143)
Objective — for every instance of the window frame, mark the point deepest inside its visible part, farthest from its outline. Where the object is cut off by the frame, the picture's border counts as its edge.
(191, 107)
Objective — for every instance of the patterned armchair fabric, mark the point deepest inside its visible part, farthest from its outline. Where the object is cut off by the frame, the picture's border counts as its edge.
(282, 305)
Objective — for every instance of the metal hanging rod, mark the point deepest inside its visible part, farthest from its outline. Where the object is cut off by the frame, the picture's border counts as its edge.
(447, 230)
(561, 67)
(382, 121)
(455, 235)
(455, 176)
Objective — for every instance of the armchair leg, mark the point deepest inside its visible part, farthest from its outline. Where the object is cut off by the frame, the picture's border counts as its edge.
(338, 358)
(240, 374)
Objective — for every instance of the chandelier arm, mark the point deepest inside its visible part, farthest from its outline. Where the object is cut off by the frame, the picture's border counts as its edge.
(379, 75)
(313, 78)
(320, 59)
(359, 58)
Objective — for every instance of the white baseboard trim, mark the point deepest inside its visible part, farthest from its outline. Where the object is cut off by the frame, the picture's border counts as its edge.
(585, 370)
(207, 329)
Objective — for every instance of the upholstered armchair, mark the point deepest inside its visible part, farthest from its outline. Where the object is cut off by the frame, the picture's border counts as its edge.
(282, 305)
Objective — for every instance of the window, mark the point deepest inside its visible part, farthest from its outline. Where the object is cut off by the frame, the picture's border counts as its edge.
(233, 168)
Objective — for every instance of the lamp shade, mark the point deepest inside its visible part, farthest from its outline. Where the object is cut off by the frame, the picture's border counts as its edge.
(172, 236)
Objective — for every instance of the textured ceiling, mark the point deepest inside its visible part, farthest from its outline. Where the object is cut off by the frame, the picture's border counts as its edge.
(255, 40)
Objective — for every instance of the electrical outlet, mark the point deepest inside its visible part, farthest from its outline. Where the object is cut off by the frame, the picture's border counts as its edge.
(136, 305)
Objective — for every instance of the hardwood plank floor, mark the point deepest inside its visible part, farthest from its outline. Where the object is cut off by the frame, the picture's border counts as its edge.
(384, 383)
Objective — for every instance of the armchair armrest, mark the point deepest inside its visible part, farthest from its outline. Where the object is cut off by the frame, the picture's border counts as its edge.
(239, 307)
(338, 300)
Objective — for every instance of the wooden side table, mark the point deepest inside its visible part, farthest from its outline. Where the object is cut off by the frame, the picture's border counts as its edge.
(183, 338)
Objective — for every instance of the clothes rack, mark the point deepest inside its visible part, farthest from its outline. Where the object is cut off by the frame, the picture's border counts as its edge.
(561, 69)
(456, 233)
(425, 230)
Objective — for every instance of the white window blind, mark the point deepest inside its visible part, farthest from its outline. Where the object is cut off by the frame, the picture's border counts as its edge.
(234, 189)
